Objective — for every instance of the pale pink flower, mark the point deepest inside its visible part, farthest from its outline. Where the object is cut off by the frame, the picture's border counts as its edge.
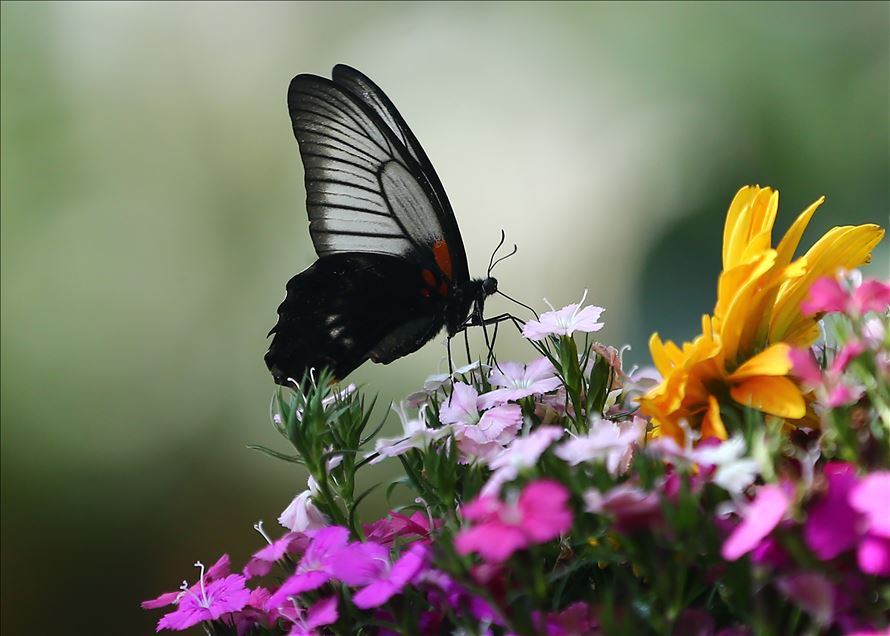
(564, 322)
(609, 442)
(523, 453)
(519, 381)
(630, 506)
(416, 435)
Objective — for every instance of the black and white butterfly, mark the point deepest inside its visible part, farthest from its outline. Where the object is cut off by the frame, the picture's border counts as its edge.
(391, 269)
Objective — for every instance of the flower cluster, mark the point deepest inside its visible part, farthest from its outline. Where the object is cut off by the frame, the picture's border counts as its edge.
(542, 500)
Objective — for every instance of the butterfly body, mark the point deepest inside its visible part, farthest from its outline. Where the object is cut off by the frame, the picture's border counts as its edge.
(392, 271)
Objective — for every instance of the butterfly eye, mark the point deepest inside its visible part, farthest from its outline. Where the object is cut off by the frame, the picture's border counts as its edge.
(489, 286)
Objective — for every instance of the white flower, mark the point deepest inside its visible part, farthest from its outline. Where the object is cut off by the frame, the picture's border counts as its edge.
(302, 515)
(416, 435)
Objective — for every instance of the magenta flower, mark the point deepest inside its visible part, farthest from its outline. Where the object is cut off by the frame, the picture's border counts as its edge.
(306, 622)
(565, 321)
(608, 442)
(263, 560)
(519, 381)
(760, 518)
(502, 528)
(832, 524)
(523, 453)
(314, 569)
(216, 571)
(207, 603)
(871, 295)
(391, 580)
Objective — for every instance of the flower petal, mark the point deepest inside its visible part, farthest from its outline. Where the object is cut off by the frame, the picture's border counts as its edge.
(776, 396)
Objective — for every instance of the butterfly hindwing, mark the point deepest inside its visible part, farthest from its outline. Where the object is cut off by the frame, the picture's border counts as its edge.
(348, 308)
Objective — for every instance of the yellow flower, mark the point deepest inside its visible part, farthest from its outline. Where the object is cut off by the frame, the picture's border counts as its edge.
(741, 357)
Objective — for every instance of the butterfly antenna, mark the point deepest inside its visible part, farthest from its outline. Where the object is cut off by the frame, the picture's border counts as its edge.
(521, 304)
(491, 262)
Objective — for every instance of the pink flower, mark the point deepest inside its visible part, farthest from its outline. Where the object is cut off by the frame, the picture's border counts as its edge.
(501, 528)
(829, 294)
(314, 569)
(631, 507)
(519, 381)
(210, 601)
(871, 498)
(805, 367)
(262, 561)
(523, 453)
(826, 295)
(305, 622)
(832, 524)
(871, 295)
(564, 322)
(607, 442)
(760, 518)
(845, 356)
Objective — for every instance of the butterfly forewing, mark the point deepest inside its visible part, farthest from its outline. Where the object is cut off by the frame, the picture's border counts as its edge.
(365, 192)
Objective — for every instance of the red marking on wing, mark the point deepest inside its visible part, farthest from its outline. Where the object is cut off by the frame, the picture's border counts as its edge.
(443, 257)
(443, 289)
(428, 277)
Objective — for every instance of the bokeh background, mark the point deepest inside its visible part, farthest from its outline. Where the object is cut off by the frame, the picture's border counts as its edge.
(153, 209)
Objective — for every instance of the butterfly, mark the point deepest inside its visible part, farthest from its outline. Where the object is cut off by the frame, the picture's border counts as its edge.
(391, 270)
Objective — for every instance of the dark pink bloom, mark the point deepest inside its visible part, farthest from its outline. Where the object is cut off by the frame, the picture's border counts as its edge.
(253, 613)
(832, 525)
(812, 592)
(262, 561)
(386, 530)
(215, 571)
(761, 517)
(826, 295)
(575, 620)
(540, 514)
(219, 597)
(314, 569)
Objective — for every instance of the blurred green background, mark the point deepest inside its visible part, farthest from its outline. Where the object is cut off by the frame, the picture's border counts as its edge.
(153, 209)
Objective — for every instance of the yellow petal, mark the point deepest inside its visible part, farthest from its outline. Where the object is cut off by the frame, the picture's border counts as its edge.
(776, 396)
(749, 224)
(712, 423)
(770, 362)
(841, 247)
(789, 242)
